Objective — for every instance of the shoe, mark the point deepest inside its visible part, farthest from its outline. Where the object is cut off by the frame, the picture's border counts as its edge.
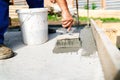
(5, 52)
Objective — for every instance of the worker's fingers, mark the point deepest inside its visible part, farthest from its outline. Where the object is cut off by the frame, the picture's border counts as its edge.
(53, 1)
(67, 23)
(64, 22)
(69, 28)
(67, 20)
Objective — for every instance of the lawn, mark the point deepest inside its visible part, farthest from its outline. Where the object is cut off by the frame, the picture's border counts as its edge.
(53, 19)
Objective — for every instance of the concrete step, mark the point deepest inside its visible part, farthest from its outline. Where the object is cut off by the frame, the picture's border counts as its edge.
(19, 2)
(13, 8)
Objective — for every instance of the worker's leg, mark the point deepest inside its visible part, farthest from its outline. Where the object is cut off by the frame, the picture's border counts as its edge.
(5, 52)
(4, 18)
(35, 3)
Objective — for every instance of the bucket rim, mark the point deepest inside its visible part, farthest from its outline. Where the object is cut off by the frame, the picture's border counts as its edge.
(32, 10)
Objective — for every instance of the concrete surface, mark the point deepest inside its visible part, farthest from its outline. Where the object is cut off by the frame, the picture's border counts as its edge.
(38, 62)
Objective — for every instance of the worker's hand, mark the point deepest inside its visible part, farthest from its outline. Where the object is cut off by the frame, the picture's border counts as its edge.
(53, 1)
(67, 20)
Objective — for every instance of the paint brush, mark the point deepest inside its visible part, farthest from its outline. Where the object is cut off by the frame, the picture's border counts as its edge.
(67, 41)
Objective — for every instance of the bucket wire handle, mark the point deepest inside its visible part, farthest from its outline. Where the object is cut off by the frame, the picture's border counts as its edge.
(27, 18)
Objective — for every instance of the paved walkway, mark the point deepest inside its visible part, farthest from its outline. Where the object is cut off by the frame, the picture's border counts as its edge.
(40, 63)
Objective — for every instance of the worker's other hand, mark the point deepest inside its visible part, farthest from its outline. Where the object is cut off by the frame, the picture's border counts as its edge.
(53, 1)
(67, 20)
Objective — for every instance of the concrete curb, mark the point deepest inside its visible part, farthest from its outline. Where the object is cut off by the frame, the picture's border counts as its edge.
(108, 53)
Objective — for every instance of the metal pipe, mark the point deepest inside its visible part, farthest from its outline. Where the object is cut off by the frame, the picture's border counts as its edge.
(88, 22)
(77, 12)
(103, 4)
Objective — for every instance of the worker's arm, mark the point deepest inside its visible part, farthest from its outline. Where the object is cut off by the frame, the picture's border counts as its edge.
(67, 19)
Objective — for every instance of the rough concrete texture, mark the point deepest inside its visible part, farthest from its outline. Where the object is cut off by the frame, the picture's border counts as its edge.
(67, 45)
(38, 62)
(88, 42)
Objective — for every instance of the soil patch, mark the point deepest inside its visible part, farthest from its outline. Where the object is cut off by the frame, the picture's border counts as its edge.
(112, 30)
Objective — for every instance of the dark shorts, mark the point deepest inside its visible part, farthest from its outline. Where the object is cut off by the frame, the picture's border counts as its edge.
(35, 3)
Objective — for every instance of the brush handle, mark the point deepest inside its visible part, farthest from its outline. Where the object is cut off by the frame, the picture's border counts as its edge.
(64, 31)
(77, 13)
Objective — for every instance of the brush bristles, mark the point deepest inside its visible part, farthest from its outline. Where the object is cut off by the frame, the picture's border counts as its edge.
(68, 43)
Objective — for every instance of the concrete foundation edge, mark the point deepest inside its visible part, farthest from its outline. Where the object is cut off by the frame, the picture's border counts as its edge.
(108, 53)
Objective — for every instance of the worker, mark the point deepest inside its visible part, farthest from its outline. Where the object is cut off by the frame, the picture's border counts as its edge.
(67, 19)
(6, 52)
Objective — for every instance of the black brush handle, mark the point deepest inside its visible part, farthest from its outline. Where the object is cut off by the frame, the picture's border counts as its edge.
(77, 12)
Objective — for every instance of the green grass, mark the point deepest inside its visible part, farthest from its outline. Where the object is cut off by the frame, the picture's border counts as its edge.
(110, 19)
(104, 20)
(53, 18)
(82, 19)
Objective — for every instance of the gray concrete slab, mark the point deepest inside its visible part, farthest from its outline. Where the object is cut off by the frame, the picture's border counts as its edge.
(38, 62)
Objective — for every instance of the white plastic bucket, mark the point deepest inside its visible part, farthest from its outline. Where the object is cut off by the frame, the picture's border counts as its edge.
(34, 25)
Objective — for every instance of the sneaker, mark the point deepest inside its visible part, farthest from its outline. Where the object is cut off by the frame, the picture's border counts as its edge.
(5, 52)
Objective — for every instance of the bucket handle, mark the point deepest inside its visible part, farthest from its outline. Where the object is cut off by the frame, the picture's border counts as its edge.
(27, 18)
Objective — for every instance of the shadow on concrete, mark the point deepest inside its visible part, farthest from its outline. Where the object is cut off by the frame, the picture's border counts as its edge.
(13, 37)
